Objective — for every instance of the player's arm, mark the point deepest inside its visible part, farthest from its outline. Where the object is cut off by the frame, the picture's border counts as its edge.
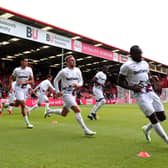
(52, 89)
(10, 83)
(56, 83)
(32, 91)
(36, 87)
(11, 79)
(123, 83)
(30, 81)
(95, 80)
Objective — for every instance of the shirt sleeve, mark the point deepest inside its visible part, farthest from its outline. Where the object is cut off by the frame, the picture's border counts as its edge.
(124, 70)
(51, 86)
(147, 65)
(80, 81)
(57, 79)
(36, 87)
(14, 72)
(31, 72)
(97, 75)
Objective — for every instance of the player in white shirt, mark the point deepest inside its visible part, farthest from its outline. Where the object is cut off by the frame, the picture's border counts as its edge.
(41, 90)
(99, 83)
(71, 80)
(11, 98)
(23, 76)
(134, 75)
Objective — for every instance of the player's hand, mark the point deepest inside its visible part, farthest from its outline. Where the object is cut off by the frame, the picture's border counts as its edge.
(21, 82)
(137, 88)
(59, 94)
(75, 85)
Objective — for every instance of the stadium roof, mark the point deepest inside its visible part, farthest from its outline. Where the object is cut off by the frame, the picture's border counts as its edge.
(12, 47)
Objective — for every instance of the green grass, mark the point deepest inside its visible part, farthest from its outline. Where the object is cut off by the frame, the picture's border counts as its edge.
(63, 145)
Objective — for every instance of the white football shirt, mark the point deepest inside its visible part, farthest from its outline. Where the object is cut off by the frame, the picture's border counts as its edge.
(44, 85)
(101, 78)
(136, 72)
(68, 77)
(22, 74)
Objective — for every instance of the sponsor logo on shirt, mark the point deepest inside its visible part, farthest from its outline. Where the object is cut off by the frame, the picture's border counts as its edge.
(140, 71)
(72, 78)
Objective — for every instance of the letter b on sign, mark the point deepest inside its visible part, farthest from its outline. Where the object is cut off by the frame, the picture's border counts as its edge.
(32, 33)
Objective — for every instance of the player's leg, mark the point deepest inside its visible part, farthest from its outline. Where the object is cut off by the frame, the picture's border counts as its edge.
(158, 106)
(71, 103)
(1, 108)
(39, 102)
(10, 109)
(20, 95)
(80, 120)
(160, 115)
(146, 108)
(46, 104)
(149, 111)
(100, 100)
(11, 99)
(157, 127)
(62, 112)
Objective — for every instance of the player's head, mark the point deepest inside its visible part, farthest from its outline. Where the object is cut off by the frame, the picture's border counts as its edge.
(24, 61)
(70, 61)
(49, 77)
(104, 69)
(136, 53)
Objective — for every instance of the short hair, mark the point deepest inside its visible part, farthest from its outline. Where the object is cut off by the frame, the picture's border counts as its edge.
(69, 56)
(23, 58)
(49, 76)
(135, 49)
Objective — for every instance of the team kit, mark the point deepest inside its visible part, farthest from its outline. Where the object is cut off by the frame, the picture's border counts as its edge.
(133, 75)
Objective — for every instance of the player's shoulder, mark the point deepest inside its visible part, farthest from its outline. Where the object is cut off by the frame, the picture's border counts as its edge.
(29, 68)
(128, 64)
(100, 73)
(64, 69)
(17, 69)
(144, 62)
(45, 81)
(77, 69)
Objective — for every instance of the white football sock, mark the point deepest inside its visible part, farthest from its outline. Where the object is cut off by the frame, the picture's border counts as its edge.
(160, 131)
(97, 106)
(10, 108)
(33, 108)
(80, 120)
(55, 111)
(47, 105)
(26, 120)
(148, 127)
(6, 105)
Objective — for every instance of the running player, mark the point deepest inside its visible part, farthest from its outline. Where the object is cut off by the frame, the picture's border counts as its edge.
(11, 98)
(71, 80)
(99, 82)
(24, 76)
(134, 75)
(41, 93)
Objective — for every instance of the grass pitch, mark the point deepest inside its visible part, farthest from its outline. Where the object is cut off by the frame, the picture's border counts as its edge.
(63, 145)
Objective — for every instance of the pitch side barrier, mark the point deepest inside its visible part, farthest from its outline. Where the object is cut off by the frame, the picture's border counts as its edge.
(82, 101)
